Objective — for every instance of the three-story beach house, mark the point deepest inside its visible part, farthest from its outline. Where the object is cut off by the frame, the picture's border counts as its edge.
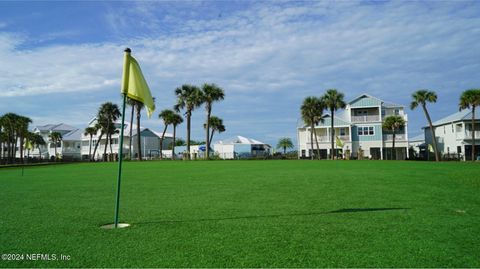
(358, 132)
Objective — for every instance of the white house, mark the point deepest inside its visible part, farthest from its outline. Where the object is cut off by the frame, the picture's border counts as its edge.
(239, 147)
(454, 135)
(359, 128)
(417, 147)
(67, 148)
(149, 142)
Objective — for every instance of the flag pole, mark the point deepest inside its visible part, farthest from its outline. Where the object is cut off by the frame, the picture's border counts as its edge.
(126, 71)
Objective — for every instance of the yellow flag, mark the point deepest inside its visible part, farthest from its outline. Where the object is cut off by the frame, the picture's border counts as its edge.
(339, 142)
(134, 84)
(430, 148)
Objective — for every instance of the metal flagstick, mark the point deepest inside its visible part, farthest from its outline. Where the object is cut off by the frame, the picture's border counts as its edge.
(126, 73)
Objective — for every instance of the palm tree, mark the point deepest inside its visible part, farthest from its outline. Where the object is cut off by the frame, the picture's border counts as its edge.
(138, 107)
(22, 132)
(55, 138)
(211, 93)
(216, 124)
(98, 126)
(10, 123)
(166, 115)
(37, 141)
(90, 131)
(107, 115)
(393, 123)
(420, 98)
(131, 103)
(312, 110)
(333, 100)
(471, 98)
(285, 143)
(189, 97)
(28, 145)
(175, 120)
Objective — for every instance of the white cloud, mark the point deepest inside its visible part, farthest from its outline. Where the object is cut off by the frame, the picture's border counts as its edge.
(266, 56)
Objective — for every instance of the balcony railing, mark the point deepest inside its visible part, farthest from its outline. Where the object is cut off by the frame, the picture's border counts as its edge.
(398, 137)
(324, 138)
(468, 135)
(365, 118)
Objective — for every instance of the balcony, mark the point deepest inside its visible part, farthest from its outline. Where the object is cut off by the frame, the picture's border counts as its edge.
(398, 137)
(468, 135)
(321, 138)
(365, 118)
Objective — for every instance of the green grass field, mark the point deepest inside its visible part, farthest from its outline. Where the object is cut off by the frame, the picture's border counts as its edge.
(245, 214)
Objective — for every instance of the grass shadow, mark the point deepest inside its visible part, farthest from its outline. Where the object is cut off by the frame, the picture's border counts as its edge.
(343, 210)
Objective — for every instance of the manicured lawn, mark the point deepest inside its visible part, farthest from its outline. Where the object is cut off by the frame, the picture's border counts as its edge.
(245, 214)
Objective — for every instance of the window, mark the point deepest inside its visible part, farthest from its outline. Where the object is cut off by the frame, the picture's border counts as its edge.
(342, 131)
(366, 130)
(397, 112)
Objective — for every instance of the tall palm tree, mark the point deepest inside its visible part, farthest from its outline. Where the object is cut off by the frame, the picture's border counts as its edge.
(333, 100)
(471, 98)
(393, 123)
(211, 93)
(138, 107)
(108, 113)
(55, 138)
(22, 132)
(131, 103)
(285, 142)
(10, 122)
(311, 111)
(175, 120)
(90, 131)
(420, 98)
(216, 124)
(189, 97)
(166, 115)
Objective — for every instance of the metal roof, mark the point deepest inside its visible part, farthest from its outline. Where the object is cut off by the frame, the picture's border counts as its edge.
(240, 140)
(462, 115)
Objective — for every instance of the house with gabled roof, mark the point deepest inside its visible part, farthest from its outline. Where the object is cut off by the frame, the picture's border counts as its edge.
(149, 142)
(238, 147)
(358, 129)
(454, 134)
(68, 147)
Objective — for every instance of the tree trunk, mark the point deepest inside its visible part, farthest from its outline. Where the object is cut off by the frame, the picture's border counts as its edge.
(90, 148)
(161, 141)
(55, 150)
(39, 153)
(473, 133)
(207, 150)
(332, 130)
(394, 155)
(432, 131)
(318, 148)
(106, 142)
(139, 142)
(21, 148)
(211, 135)
(189, 115)
(311, 141)
(96, 145)
(131, 128)
(110, 139)
(173, 145)
(284, 150)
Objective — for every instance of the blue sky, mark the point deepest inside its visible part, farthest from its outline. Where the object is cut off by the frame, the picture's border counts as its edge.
(60, 60)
